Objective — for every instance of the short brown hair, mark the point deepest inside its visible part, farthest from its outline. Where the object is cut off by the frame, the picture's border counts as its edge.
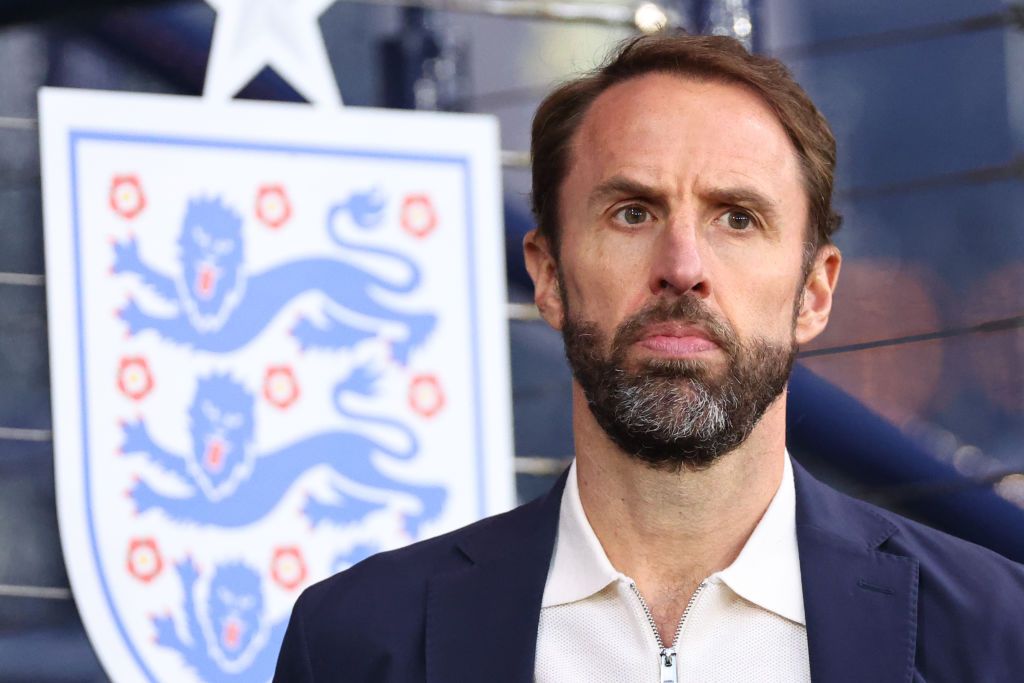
(701, 57)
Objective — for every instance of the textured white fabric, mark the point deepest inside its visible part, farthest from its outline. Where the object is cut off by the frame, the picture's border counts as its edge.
(746, 622)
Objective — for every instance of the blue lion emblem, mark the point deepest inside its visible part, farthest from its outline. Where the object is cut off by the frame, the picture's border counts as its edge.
(229, 641)
(230, 485)
(216, 305)
(353, 556)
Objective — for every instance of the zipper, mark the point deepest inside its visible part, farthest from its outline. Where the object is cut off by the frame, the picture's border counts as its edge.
(668, 671)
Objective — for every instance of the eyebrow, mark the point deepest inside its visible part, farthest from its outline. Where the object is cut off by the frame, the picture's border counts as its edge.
(621, 186)
(744, 196)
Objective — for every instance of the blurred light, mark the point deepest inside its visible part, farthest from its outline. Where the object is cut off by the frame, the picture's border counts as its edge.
(886, 299)
(728, 18)
(650, 18)
(741, 26)
(1011, 487)
(969, 461)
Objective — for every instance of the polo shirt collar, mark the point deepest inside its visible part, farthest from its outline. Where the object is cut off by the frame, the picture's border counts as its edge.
(579, 565)
(766, 572)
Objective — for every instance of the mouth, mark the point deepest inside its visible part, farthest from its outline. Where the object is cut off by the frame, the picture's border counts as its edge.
(213, 459)
(677, 340)
(231, 635)
(206, 281)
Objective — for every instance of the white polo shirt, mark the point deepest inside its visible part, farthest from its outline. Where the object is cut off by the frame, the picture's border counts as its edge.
(744, 623)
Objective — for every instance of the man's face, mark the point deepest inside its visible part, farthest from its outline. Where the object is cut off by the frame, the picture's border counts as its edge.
(679, 283)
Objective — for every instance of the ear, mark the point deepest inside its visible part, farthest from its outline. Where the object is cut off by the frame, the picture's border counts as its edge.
(816, 297)
(543, 269)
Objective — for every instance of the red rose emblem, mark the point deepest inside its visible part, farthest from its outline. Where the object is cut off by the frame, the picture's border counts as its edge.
(273, 207)
(418, 216)
(134, 378)
(287, 568)
(425, 395)
(126, 196)
(144, 561)
(280, 387)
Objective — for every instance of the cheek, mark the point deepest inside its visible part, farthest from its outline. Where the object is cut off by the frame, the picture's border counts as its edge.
(758, 302)
(606, 282)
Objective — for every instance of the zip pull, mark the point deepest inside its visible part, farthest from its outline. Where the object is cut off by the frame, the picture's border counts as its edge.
(669, 672)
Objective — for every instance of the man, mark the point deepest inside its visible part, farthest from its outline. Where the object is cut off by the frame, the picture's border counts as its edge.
(683, 194)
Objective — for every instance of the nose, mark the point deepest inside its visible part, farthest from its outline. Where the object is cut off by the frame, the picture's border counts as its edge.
(677, 265)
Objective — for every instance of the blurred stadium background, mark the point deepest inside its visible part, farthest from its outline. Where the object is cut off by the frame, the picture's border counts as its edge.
(913, 399)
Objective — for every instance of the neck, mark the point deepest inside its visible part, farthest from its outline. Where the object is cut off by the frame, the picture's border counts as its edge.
(670, 530)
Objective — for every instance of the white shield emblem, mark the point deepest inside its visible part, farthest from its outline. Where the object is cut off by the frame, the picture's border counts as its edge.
(278, 345)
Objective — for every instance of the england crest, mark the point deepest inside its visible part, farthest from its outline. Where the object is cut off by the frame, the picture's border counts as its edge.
(278, 345)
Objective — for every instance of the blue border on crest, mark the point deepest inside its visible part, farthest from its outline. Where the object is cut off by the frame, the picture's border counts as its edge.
(77, 136)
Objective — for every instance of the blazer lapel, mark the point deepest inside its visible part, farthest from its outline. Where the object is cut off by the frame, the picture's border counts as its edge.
(860, 602)
(482, 618)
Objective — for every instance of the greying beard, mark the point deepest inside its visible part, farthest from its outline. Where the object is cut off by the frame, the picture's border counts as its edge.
(674, 413)
(661, 407)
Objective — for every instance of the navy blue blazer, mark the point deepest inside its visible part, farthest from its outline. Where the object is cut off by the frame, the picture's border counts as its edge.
(887, 600)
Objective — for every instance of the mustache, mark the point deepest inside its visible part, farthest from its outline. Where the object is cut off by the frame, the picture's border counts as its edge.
(687, 310)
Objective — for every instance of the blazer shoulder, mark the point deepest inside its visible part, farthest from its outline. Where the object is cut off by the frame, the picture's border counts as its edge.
(370, 620)
(946, 560)
(967, 600)
(397, 579)
(957, 579)
(938, 553)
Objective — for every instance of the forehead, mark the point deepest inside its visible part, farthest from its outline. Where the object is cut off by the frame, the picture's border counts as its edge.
(666, 128)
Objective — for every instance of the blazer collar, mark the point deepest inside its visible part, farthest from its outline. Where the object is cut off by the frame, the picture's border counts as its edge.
(482, 618)
(860, 602)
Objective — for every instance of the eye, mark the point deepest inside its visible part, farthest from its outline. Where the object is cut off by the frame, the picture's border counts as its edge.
(201, 237)
(738, 220)
(225, 596)
(223, 247)
(210, 411)
(634, 214)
